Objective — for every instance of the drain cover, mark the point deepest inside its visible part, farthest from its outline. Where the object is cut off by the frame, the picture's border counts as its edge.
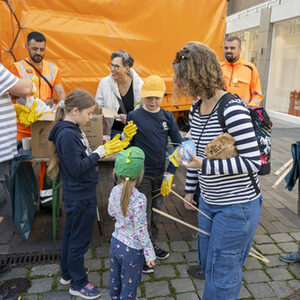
(16, 285)
(196, 272)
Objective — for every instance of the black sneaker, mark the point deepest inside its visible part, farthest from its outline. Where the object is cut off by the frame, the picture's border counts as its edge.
(160, 253)
(146, 269)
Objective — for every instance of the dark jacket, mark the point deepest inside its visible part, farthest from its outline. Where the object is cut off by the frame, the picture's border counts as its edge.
(77, 164)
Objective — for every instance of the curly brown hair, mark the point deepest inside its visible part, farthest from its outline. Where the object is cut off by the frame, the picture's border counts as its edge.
(197, 71)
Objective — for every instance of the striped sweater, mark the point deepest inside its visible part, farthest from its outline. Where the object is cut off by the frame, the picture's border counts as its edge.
(224, 182)
(8, 123)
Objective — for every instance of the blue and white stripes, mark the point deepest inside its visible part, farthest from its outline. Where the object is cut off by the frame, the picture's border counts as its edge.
(227, 181)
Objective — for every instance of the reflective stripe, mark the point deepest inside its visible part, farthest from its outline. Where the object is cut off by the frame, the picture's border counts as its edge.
(46, 200)
(46, 193)
(52, 70)
(24, 74)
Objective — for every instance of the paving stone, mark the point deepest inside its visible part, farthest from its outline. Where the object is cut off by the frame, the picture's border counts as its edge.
(164, 246)
(102, 251)
(252, 263)
(189, 296)
(244, 293)
(295, 284)
(268, 249)
(295, 235)
(94, 279)
(160, 298)
(281, 237)
(30, 297)
(174, 258)
(56, 295)
(146, 277)
(199, 284)
(62, 287)
(88, 254)
(279, 274)
(182, 269)
(4, 249)
(179, 246)
(164, 271)
(93, 264)
(289, 247)
(262, 239)
(281, 288)
(44, 270)
(105, 278)
(194, 244)
(191, 256)
(261, 290)
(106, 263)
(255, 276)
(14, 273)
(275, 261)
(183, 285)
(295, 268)
(159, 288)
(41, 285)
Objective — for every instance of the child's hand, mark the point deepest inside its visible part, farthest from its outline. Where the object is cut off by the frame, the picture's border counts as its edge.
(150, 264)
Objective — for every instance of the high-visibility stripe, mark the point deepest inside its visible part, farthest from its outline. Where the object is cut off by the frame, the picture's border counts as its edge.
(46, 193)
(46, 200)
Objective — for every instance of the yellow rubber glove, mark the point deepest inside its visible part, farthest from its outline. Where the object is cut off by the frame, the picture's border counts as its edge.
(125, 143)
(34, 115)
(174, 158)
(167, 183)
(130, 130)
(19, 108)
(23, 118)
(113, 146)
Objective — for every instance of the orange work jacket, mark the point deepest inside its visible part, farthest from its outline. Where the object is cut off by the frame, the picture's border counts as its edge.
(43, 90)
(242, 78)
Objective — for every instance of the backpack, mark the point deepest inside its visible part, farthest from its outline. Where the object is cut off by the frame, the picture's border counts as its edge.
(262, 125)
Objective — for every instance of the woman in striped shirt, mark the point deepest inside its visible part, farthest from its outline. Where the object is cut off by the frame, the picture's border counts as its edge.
(228, 195)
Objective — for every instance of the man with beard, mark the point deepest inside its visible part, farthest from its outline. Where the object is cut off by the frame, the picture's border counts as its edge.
(45, 75)
(241, 77)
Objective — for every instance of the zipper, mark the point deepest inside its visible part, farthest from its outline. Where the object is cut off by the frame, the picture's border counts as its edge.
(231, 76)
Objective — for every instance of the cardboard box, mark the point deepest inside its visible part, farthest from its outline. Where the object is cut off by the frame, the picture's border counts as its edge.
(41, 147)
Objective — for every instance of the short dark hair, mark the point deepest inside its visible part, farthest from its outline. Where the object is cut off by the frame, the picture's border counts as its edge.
(234, 38)
(127, 59)
(37, 36)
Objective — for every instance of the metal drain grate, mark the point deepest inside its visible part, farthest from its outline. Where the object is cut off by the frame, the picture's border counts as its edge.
(24, 259)
(16, 285)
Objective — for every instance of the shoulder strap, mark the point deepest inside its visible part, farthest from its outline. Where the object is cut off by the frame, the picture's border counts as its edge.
(195, 106)
(42, 76)
(223, 101)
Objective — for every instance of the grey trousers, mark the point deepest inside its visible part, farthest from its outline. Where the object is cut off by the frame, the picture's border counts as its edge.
(150, 187)
(5, 205)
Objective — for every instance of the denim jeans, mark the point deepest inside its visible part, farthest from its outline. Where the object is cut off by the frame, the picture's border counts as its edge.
(223, 253)
(80, 219)
(126, 265)
(150, 187)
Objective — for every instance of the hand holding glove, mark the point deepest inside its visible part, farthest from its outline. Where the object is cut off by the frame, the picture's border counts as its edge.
(19, 108)
(130, 130)
(174, 158)
(112, 146)
(167, 183)
(34, 115)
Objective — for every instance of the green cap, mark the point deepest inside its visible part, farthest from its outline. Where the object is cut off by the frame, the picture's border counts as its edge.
(130, 163)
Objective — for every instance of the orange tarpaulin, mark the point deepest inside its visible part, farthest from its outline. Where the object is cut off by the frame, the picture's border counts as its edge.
(82, 34)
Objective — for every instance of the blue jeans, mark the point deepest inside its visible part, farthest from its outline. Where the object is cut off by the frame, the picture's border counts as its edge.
(126, 265)
(223, 253)
(80, 219)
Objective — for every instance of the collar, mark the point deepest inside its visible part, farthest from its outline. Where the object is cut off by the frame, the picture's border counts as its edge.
(239, 61)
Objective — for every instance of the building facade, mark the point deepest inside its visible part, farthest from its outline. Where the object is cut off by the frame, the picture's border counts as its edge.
(270, 34)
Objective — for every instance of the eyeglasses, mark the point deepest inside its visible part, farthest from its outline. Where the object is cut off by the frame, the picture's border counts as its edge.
(180, 55)
(114, 67)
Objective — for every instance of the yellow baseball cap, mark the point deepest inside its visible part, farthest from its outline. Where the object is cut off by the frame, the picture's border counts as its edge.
(154, 86)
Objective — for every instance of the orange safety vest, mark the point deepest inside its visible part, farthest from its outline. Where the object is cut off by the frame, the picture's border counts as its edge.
(43, 90)
(242, 78)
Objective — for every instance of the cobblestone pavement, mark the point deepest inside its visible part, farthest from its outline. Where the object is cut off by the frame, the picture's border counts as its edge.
(278, 232)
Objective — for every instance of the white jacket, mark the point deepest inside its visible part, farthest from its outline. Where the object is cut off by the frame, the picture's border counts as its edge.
(108, 91)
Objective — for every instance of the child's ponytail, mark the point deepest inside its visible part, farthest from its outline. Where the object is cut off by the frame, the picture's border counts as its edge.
(125, 197)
